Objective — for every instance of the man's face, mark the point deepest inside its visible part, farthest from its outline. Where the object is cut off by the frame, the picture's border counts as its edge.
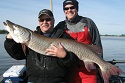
(70, 11)
(46, 23)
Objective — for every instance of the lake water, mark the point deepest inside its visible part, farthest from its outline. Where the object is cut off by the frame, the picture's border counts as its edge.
(5, 60)
(113, 47)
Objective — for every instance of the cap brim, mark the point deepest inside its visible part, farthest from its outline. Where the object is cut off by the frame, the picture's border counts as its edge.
(43, 14)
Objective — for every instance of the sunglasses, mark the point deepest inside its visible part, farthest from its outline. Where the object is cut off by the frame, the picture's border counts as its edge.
(67, 8)
(47, 19)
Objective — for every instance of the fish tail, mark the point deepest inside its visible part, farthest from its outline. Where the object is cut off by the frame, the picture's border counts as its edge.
(110, 70)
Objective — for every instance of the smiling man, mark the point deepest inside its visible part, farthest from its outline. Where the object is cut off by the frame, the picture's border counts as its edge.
(83, 30)
(41, 68)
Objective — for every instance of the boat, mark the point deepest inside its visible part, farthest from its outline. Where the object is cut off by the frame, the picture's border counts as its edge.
(17, 74)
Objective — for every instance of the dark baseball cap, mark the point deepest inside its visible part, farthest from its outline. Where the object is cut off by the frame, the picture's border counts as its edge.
(47, 12)
(73, 2)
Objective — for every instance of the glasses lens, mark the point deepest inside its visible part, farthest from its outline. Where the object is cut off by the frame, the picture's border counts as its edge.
(67, 8)
(48, 19)
(72, 7)
(42, 20)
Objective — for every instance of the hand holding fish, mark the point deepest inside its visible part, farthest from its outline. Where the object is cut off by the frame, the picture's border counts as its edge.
(9, 36)
(56, 51)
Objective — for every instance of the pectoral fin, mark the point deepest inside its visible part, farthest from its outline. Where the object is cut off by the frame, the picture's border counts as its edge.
(89, 65)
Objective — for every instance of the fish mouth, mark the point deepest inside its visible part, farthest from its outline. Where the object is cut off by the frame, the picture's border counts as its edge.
(8, 23)
(4, 24)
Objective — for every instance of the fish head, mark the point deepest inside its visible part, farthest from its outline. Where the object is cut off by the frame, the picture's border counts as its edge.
(18, 33)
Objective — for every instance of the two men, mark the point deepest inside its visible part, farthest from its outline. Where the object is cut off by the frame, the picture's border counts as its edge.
(46, 69)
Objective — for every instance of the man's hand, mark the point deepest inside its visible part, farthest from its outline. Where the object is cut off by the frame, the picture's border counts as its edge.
(9, 36)
(56, 51)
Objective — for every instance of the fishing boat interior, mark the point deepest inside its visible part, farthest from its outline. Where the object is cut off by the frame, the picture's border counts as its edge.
(17, 74)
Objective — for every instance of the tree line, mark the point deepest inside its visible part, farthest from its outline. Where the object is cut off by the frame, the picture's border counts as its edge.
(122, 35)
(3, 31)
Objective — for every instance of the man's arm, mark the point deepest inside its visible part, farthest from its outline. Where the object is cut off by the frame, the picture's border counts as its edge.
(95, 36)
(13, 49)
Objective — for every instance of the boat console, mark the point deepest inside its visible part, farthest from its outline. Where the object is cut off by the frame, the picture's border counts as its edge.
(15, 74)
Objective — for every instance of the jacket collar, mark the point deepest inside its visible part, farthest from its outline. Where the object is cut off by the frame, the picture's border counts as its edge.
(74, 21)
(52, 34)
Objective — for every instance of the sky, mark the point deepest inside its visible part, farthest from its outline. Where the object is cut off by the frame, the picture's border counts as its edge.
(109, 15)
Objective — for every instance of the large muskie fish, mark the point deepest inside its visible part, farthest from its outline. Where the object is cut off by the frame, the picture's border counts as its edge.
(40, 43)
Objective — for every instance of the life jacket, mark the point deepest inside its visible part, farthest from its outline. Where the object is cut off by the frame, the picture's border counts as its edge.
(81, 36)
(80, 32)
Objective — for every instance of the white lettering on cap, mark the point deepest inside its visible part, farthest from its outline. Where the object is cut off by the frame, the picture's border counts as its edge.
(43, 11)
(68, 1)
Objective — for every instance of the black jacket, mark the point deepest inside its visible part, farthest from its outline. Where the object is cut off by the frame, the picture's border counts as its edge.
(40, 68)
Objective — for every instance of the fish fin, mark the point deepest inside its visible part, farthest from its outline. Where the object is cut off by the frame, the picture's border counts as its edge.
(97, 49)
(89, 65)
(107, 73)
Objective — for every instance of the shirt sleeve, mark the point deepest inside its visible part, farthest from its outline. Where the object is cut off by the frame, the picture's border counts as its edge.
(95, 35)
(14, 49)
(70, 59)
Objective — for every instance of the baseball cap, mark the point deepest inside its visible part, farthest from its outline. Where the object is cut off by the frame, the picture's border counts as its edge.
(73, 2)
(47, 12)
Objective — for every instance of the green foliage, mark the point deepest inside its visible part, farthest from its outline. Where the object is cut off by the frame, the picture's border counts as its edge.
(123, 35)
(3, 31)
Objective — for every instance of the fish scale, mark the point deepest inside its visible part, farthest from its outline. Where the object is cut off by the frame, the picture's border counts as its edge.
(40, 43)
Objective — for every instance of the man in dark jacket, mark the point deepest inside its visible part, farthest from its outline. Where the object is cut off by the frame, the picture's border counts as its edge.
(41, 68)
